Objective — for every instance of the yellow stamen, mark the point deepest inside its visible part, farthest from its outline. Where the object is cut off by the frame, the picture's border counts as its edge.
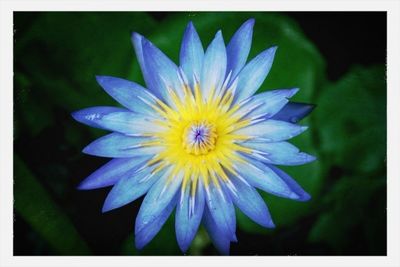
(199, 139)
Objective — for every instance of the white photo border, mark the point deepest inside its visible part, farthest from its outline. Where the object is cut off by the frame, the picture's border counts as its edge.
(7, 7)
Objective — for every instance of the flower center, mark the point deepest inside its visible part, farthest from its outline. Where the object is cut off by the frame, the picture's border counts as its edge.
(199, 138)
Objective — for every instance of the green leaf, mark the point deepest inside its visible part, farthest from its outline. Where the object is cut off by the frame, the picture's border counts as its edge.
(351, 119)
(353, 202)
(351, 123)
(28, 108)
(38, 209)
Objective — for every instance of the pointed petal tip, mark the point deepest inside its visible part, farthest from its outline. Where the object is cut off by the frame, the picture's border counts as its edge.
(306, 112)
(90, 183)
(234, 238)
(75, 115)
(272, 224)
(301, 198)
(106, 207)
(270, 52)
(136, 39)
(311, 108)
(86, 149)
(250, 22)
(183, 246)
(83, 186)
(305, 197)
(138, 244)
(266, 222)
(80, 115)
(309, 158)
(90, 150)
(100, 79)
(190, 28)
(135, 35)
(269, 224)
(293, 91)
(109, 204)
(219, 34)
(190, 25)
(295, 111)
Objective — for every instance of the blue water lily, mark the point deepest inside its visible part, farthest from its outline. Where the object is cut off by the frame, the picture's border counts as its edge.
(197, 139)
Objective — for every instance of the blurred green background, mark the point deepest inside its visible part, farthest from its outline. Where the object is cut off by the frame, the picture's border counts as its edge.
(337, 60)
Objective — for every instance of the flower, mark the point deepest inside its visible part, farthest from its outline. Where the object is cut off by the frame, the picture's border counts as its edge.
(198, 139)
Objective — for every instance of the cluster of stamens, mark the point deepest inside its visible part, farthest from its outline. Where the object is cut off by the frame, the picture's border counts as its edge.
(199, 138)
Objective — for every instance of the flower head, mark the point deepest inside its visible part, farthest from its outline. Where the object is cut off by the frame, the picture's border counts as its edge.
(197, 140)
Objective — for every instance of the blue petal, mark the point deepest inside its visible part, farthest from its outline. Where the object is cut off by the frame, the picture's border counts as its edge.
(266, 104)
(157, 199)
(294, 186)
(116, 145)
(192, 54)
(188, 216)
(130, 187)
(272, 131)
(217, 236)
(263, 177)
(128, 123)
(90, 115)
(164, 74)
(247, 199)
(239, 47)
(137, 41)
(144, 236)
(214, 66)
(110, 173)
(129, 94)
(254, 73)
(280, 153)
(222, 210)
(293, 112)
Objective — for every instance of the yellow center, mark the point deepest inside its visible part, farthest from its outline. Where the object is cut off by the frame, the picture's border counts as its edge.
(199, 139)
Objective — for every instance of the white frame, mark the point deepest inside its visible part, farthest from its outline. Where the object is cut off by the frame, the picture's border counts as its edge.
(7, 7)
